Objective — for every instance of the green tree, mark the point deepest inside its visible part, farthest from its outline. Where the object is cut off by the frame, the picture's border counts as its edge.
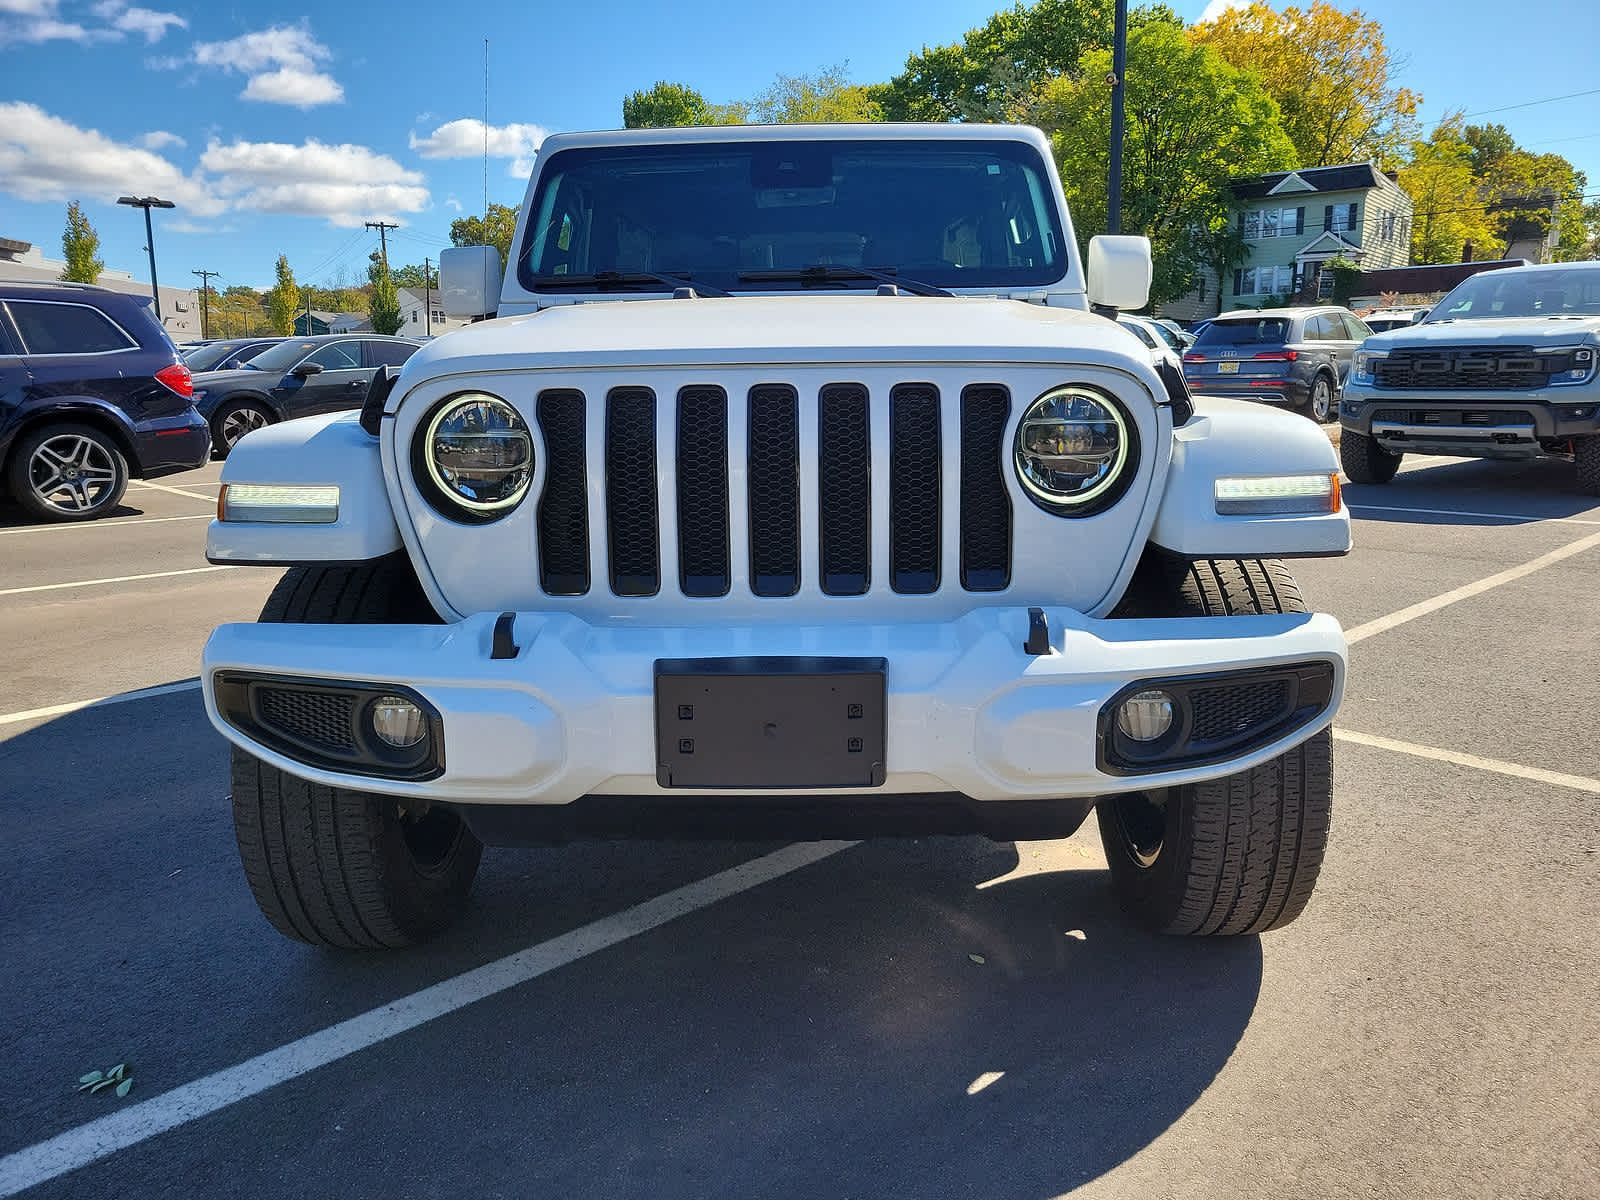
(1448, 209)
(283, 301)
(1194, 124)
(383, 304)
(1330, 72)
(411, 276)
(1487, 144)
(826, 96)
(498, 232)
(991, 73)
(80, 246)
(667, 105)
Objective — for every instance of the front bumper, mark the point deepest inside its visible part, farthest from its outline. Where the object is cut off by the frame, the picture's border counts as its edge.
(969, 710)
(1483, 424)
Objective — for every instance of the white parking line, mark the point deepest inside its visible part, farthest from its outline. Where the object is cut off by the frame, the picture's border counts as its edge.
(71, 706)
(1580, 783)
(1531, 518)
(161, 487)
(1467, 590)
(113, 524)
(82, 583)
(129, 1126)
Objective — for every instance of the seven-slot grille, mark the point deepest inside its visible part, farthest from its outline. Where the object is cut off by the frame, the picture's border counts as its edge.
(1468, 368)
(779, 519)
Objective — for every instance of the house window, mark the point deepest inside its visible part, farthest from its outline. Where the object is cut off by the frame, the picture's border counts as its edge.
(1325, 285)
(1269, 223)
(1252, 225)
(413, 316)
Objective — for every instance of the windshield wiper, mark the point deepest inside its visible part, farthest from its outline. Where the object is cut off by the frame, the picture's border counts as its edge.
(828, 273)
(614, 281)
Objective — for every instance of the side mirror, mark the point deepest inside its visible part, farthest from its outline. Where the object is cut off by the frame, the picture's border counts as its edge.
(469, 281)
(1119, 272)
(307, 369)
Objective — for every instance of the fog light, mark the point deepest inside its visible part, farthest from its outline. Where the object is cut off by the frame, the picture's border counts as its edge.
(1145, 716)
(398, 722)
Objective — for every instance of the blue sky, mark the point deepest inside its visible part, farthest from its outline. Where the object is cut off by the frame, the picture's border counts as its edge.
(280, 129)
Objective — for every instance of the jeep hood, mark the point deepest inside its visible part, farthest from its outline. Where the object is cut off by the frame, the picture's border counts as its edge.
(781, 329)
(1541, 332)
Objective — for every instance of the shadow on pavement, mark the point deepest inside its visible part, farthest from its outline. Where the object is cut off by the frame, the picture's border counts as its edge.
(1476, 491)
(825, 1034)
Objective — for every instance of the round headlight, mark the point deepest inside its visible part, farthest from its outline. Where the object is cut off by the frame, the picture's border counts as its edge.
(478, 455)
(1075, 450)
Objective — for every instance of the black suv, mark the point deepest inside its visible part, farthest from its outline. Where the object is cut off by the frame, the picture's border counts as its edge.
(92, 391)
(226, 354)
(298, 377)
(1299, 357)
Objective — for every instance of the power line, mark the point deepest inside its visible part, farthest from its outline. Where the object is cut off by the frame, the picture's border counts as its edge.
(1530, 103)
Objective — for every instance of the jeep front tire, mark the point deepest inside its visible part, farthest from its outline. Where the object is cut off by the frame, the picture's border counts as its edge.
(1236, 855)
(340, 868)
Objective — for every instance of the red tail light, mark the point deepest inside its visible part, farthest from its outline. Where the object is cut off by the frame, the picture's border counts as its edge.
(1279, 355)
(1194, 356)
(177, 379)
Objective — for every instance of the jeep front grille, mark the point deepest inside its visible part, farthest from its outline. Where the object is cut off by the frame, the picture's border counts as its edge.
(780, 521)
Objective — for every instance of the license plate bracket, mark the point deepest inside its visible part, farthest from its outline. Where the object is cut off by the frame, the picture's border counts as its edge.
(757, 723)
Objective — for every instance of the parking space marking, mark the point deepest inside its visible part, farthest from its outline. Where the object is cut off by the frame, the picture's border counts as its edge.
(63, 527)
(1530, 518)
(1468, 590)
(126, 1127)
(72, 706)
(82, 583)
(1580, 783)
(161, 487)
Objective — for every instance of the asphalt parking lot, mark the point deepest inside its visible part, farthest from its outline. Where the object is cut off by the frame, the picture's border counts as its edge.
(755, 1020)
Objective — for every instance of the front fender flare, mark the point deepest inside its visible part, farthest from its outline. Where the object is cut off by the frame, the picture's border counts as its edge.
(328, 449)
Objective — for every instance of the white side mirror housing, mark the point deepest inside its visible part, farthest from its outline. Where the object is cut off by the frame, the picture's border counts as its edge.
(1119, 272)
(469, 281)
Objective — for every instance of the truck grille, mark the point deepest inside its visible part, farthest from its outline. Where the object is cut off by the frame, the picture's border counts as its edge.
(1467, 369)
(701, 490)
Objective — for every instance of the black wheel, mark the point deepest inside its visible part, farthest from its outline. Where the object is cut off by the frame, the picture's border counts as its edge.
(67, 473)
(1364, 461)
(1586, 457)
(1234, 855)
(340, 868)
(232, 420)
(1319, 405)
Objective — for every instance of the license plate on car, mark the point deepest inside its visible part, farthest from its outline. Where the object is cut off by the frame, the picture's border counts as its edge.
(1227, 368)
(752, 723)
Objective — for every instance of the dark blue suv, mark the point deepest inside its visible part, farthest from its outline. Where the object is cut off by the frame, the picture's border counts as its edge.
(92, 391)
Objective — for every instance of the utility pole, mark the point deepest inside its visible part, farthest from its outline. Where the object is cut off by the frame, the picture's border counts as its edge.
(382, 229)
(1119, 68)
(427, 294)
(147, 203)
(205, 300)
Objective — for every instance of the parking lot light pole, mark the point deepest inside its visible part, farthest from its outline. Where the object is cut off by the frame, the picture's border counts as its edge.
(1119, 68)
(147, 203)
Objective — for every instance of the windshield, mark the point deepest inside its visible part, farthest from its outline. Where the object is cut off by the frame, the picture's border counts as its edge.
(953, 214)
(1263, 331)
(1549, 292)
(283, 356)
(206, 358)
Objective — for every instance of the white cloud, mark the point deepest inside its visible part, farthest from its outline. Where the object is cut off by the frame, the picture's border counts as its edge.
(291, 85)
(464, 139)
(183, 226)
(147, 22)
(27, 8)
(345, 184)
(1216, 8)
(453, 203)
(44, 158)
(159, 139)
(282, 63)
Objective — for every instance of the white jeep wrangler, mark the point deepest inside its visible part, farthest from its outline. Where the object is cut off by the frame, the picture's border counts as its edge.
(800, 488)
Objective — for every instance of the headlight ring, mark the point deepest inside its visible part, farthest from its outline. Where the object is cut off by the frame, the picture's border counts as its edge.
(472, 457)
(1076, 451)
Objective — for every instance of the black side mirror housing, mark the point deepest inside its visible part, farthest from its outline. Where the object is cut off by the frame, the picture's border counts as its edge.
(383, 382)
(307, 369)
